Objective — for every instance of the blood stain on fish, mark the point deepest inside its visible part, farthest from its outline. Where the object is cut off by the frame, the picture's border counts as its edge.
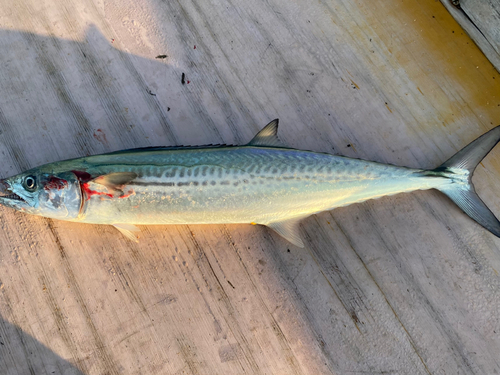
(55, 183)
(88, 192)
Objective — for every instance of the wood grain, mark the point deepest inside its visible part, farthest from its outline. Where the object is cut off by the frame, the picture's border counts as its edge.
(481, 20)
(400, 285)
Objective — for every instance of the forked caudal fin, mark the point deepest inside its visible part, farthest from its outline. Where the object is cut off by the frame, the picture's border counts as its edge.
(460, 168)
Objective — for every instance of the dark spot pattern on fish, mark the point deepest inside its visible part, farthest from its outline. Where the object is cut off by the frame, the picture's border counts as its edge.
(152, 183)
(171, 173)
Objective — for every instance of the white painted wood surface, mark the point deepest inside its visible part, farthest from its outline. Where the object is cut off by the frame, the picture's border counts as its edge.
(401, 285)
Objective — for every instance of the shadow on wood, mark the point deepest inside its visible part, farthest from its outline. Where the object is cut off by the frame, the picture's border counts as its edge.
(21, 353)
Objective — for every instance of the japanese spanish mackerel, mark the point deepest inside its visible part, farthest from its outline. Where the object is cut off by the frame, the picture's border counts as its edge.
(262, 182)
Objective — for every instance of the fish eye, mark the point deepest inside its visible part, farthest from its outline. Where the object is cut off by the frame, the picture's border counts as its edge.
(30, 183)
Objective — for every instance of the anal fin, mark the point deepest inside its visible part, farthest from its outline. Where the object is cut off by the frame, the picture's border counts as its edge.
(128, 230)
(288, 229)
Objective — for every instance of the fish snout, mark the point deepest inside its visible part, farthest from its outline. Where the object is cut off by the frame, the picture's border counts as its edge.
(4, 187)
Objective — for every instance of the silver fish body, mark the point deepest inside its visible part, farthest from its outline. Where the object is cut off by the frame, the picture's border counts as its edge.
(240, 185)
(259, 183)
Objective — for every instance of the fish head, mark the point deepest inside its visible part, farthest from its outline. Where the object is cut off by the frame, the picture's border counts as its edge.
(57, 196)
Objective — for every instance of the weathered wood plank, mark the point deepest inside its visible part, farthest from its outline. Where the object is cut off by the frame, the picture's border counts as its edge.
(481, 20)
(405, 285)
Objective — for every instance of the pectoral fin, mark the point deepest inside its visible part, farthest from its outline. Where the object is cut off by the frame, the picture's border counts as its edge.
(128, 230)
(114, 182)
(288, 229)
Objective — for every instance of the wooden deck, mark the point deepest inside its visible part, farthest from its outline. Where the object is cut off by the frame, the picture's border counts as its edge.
(400, 285)
(480, 20)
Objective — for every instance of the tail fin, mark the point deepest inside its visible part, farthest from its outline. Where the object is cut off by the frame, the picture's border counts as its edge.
(462, 192)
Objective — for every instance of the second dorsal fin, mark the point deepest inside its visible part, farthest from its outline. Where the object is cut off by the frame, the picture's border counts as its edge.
(268, 136)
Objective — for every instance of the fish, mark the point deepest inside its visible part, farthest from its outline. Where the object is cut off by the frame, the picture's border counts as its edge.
(262, 182)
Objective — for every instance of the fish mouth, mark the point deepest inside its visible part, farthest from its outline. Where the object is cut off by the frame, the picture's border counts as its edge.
(7, 195)
(12, 196)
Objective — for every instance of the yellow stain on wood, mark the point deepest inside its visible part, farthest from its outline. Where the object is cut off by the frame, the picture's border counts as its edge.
(437, 56)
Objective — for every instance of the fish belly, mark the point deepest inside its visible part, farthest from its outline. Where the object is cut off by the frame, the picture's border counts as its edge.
(243, 185)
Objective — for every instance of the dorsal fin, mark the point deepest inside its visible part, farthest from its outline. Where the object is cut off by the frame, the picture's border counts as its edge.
(166, 148)
(267, 136)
